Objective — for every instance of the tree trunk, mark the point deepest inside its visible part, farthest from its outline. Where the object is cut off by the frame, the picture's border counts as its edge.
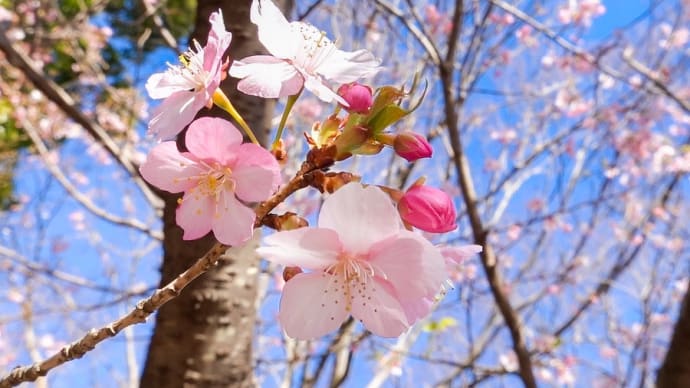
(675, 371)
(203, 338)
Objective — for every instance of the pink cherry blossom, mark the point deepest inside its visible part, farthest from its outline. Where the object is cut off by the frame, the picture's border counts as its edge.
(188, 88)
(302, 56)
(360, 262)
(216, 175)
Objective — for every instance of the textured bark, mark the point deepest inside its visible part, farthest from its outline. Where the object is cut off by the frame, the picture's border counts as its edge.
(203, 338)
(675, 371)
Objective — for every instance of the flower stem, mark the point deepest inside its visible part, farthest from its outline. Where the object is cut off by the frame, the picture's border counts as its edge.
(222, 101)
(288, 107)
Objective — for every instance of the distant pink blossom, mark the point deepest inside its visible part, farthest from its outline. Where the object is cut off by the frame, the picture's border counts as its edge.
(536, 204)
(360, 262)
(581, 12)
(428, 209)
(674, 38)
(571, 103)
(216, 175)
(524, 36)
(504, 136)
(502, 19)
(301, 56)
(189, 87)
(309, 109)
(458, 254)
(513, 232)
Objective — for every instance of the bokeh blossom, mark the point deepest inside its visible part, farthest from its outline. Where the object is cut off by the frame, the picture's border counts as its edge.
(360, 262)
(216, 175)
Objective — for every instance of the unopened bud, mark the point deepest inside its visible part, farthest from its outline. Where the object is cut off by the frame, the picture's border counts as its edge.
(358, 96)
(428, 209)
(291, 272)
(412, 146)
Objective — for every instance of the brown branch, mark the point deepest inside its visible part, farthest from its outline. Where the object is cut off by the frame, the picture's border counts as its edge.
(64, 101)
(675, 370)
(480, 233)
(137, 315)
(316, 160)
(656, 81)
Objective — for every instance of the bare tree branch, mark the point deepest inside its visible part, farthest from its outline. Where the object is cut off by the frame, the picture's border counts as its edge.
(63, 100)
(78, 195)
(163, 295)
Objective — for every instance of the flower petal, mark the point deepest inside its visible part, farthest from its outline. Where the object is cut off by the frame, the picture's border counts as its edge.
(212, 138)
(195, 213)
(218, 33)
(162, 85)
(413, 266)
(345, 67)
(274, 30)
(256, 173)
(266, 77)
(379, 310)
(416, 309)
(175, 113)
(233, 223)
(310, 248)
(168, 169)
(361, 216)
(308, 309)
(322, 91)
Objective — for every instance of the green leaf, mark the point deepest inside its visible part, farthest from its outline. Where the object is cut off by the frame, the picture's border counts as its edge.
(440, 325)
(389, 115)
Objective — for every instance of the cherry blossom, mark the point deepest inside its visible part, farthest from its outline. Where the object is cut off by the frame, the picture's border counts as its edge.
(302, 56)
(360, 262)
(188, 88)
(216, 175)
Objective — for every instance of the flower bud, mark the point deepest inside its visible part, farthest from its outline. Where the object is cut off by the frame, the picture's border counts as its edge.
(428, 209)
(412, 146)
(358, 96)
(291, 272)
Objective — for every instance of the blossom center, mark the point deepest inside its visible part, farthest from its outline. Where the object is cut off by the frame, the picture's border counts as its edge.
(353, 277)
(215, 181)
(316, 47)
(192, 69)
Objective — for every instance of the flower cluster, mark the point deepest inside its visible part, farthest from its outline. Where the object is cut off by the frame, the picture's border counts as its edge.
(364, 259)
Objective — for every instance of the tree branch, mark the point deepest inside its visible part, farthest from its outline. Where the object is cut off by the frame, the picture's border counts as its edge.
(64, 101)
(148, 306)
(77, 195)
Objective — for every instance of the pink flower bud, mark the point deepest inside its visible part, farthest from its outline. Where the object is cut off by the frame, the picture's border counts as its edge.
(358, 96)
(412, 146)
(428, 209)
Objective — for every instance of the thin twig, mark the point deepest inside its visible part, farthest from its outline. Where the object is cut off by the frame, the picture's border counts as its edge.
(148, 306)
(64, 101)
(78, 195)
